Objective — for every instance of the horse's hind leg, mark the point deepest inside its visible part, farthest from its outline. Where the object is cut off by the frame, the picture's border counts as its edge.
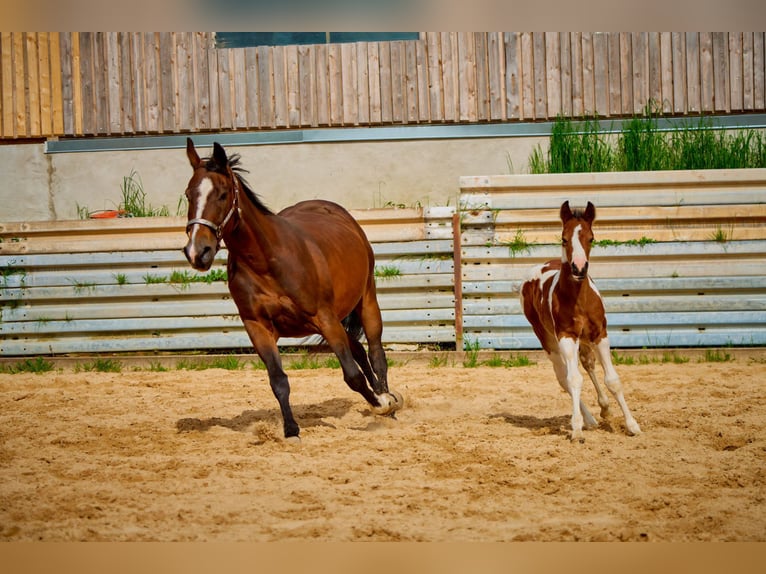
(613, 383)
(372, 323)
(588, 361)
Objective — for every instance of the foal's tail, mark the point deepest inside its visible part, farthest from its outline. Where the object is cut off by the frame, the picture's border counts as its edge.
(353, 326)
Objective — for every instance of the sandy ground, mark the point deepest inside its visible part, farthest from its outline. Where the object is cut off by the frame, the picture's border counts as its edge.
(477, 454)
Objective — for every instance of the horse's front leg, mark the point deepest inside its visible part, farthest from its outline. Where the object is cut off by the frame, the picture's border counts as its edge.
(569, 352)
(266, 346)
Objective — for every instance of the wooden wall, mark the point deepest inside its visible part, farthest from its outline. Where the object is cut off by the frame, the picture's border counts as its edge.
(123, 83)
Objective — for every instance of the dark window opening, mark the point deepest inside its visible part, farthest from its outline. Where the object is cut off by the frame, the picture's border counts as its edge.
(249, 39)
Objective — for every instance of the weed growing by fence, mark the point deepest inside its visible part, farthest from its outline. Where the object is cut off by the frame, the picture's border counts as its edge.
(36, 365)
(643, 146)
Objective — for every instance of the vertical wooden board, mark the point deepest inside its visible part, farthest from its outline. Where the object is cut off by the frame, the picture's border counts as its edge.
(680, 94)
(424, 115)
(335, 76)
(601, 72)
(411, 113)
(6, 61)
(44, 68)
(373, 75)
(279, 66)
(363, 84)
(397, 82)
(496, 52)
(693, 75)
(626, 66)
(293, 87)
(76, 84)
(707, 78)
(113, 83)
(721, 80)
(239, 88)
(450, 75)
(201, 80)
(528, 76)
(224, 89)
(266, 87)
(138, 63)
(655, 69)
(101, 82)
(386, 83)
(348, 83)
(615, 75)
(126, 83)
(323, 85)
(513, 101)
(187, 101)
(252, 89)
(541, 90)
(151, 81)
(87, 101)
(167, 65)
(307, 79)
(467, 76)
(640, 62)
(747, 71)
(666, 72)
(214, 88)
(578, 100)
(552, 73)
(759, 70)
(736, 71)
(588, 75)
(482, 76)
(565, 44)
(435, 76)
(57, 88)
(32, 77)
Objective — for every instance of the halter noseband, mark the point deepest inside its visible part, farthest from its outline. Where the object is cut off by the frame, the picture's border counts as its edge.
(218, 229)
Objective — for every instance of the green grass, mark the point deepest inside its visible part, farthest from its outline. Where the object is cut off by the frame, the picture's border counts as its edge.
(643, 146)
(35, 365)
(387, 271)
(716, 356)
(186, 277)
(518, 244)
(642, 242)
(150, 279)
(101, 366)
(471, 359)
(121, 278)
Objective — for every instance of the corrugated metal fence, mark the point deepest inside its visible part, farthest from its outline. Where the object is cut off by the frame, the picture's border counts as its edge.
(121, 83)
(681, 262)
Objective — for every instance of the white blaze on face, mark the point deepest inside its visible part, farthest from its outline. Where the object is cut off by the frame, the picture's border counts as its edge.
(579, 258)
(199, 197)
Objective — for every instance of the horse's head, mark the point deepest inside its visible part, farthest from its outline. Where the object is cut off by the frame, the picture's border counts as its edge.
(577, 238)
(212, 193)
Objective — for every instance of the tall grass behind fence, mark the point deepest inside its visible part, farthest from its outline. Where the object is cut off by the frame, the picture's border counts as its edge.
(123, 83)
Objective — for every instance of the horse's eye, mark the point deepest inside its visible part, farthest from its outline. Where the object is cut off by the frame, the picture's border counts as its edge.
(224, 195)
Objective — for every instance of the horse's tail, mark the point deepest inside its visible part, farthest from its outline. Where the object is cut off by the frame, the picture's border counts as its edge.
(353, 325)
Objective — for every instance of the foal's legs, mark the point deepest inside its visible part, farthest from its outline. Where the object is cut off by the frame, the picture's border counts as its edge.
(613, 383)
(588, 361)
(569, 377)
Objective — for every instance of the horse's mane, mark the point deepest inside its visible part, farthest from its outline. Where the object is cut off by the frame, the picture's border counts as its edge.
(234, 163)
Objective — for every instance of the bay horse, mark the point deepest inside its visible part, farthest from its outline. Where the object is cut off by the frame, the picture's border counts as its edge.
(308, 269)
(567, 314)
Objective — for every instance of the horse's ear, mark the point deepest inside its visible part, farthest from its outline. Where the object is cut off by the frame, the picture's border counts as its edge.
(219, 155)
(565, 213)
(590, 213)
(191, 153)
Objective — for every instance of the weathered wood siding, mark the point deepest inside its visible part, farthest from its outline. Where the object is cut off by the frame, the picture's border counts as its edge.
(124, 83)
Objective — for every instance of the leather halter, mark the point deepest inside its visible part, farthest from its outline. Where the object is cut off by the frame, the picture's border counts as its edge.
(218, 229)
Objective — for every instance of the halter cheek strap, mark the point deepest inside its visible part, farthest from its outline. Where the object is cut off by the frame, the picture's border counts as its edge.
(218, 229)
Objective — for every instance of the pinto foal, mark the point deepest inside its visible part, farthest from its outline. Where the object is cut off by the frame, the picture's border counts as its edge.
(567, 314)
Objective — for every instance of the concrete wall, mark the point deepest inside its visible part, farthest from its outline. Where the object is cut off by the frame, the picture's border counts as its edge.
(39, 186)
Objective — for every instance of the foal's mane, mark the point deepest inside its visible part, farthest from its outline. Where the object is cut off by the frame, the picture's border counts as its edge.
(578, 212)
(234, 163)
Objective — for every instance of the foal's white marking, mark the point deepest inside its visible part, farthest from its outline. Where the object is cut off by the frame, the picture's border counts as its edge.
(579, 258)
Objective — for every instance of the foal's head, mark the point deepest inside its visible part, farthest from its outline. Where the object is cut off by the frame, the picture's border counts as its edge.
(213, 200)
(577, 238)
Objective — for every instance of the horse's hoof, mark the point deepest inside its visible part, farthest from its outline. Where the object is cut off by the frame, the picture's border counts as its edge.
(389, 403)
(293, 439)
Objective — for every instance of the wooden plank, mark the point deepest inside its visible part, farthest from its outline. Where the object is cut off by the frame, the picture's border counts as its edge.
(747, 72)
(57, 97)
(44, 70)
(386, 83)
(335, 77)
(626, 67)
(680, 88)
(640, 64)
(101, 82)
(482, 76)
(528, 77)
(435, 75)
(553, 73)
(601, 75)
(307, 87)
(655, 69)
(149, 80)
(252, 106)
(239, 88)
(615, 72)
(279, 75)
(348, 83)
(450, 66)
(214, 89)
(201, 80)
(565, 45)
(187, 101)
(588, 75)
(666, 72)
(411, 92)
(424, 113)
(126, 83)
(7, 61)
(759, 70)
(374, 77)
(736, 70)
(707, 76)
(293, 87)
(578, 101)
(398, 73)
(541, 89)
(32, 77)
(167, 65)
(721, 79)
(322, 86)
(693, 72)
(225, 91)
(87, 101)
(513, 75)
(113, 77)
(19, 98)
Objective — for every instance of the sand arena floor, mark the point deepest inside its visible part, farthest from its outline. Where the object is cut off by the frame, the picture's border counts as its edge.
(477, 454)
